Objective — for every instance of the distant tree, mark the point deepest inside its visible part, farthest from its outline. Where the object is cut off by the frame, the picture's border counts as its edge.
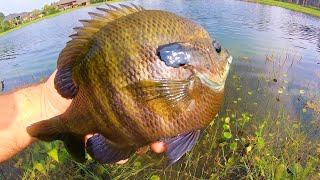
(36, 12)
(96, 1)
(49, 9)
(1, 16)
(5, 25)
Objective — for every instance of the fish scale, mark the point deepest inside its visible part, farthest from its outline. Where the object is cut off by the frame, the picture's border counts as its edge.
(122, 89)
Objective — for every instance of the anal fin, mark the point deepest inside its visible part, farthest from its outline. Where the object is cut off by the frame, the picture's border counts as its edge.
(180, 145)
(75, 146)
(104, 151)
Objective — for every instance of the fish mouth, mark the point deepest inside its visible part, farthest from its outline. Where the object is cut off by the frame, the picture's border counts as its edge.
(215, 86)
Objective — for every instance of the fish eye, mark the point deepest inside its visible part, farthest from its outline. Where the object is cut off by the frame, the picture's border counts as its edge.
(216, 46)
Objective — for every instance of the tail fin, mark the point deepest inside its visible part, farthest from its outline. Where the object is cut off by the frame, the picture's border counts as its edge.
(51, 129)
(47, 130)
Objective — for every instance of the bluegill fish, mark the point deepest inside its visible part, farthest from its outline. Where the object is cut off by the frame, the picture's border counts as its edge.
(136, 76)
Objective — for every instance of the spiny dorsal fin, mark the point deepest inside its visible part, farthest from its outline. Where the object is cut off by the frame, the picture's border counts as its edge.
(79, 45)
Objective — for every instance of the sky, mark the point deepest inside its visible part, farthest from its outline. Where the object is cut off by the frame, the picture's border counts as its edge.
(17, 6)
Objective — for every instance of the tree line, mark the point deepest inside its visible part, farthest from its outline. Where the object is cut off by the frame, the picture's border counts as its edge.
(313, 3)
(46, 10)
(35, 14)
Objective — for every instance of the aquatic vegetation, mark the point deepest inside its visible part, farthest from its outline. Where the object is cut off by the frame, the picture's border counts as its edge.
(273, 149)
(314, 105)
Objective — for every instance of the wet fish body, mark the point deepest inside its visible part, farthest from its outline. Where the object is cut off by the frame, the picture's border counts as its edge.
(136, 76)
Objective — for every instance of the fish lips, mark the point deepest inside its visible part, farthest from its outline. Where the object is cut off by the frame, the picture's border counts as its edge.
(215, 85)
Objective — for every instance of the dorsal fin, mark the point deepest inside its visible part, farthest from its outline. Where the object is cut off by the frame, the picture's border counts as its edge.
(78, 46)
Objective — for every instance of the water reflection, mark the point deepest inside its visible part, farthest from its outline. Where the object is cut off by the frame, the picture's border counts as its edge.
(302, 31)
(262, 21)
(7, 53)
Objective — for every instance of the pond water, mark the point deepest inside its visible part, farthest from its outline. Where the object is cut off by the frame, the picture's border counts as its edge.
(276, 52)
(245, 29)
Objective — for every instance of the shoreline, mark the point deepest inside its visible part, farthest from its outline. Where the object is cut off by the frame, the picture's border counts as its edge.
(54, 15)
(290, 6)
(294, 7)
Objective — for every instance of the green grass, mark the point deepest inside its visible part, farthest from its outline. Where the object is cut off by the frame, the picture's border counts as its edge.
(53, 15)
(308, 10)
(273, 148)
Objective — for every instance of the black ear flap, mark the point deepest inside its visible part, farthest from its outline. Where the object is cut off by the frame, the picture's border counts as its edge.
(175, 54)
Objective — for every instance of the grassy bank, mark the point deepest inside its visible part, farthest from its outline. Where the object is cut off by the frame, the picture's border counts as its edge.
(294, 7)
(274, 148)
(53, 15)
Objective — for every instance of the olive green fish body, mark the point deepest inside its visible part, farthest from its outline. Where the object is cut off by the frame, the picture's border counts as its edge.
(126, 88)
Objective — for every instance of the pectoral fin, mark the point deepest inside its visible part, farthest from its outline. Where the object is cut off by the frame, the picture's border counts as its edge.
(166, 94)
(180, 145)
(105, 151)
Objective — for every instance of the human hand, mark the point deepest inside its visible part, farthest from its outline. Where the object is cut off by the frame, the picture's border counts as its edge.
(23, 107)
(28, 105)
(53, 104)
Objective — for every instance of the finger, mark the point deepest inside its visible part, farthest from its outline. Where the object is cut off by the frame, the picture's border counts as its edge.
(158, 147)
(143, 150)
(88, 136)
